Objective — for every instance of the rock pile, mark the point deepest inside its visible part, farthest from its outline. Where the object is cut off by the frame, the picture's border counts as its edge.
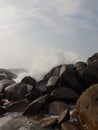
(51, 101)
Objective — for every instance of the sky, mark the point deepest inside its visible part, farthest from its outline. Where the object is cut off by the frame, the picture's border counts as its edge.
(43, 32)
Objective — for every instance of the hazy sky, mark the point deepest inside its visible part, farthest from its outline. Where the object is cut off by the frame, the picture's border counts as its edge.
(35, 29)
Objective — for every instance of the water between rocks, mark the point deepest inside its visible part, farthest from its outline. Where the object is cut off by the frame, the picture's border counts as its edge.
(15, 121)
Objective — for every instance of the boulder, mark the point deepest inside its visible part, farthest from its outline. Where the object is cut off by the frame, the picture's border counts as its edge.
(36, 105)
(70, 78)
(64, 116)
(17, 91)
(87, 107)
(46, 122)
(2, 110)
(18, 106)
(88, 73)
(64, 93)
(47, 85)
(70, 126)
(5, 83)
(57, 107)
(29, 80)
(5, 74)
(53, 72)
(31, 96)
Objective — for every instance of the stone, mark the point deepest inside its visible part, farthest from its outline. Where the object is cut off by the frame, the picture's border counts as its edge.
(57, 107)
(18, 106)
(17, 91)
(36, 105)
(5, 83)
(47, 85)
(70, 78)
(31, 96)
(64, 116)
(68, 94)
(87, 107)
(29, 80)
(5, 74)
(46, 122)
(2, 110)
(70, 126)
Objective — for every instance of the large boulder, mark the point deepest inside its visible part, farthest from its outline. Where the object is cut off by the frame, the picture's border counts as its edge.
(29, 80)
(88, 73)
(70, 78)
(36, 105)
(17, 91)
(5, 74)
(47, 85)
(64, 93)
(5, 83)
(57, 107)
(87, 107)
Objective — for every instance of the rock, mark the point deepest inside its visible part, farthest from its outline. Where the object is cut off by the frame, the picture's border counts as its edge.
(29, 80)
(48, 122)
(56, 107)
(17, 91)
(68, 94)
(64, 116)
(36, 105)
(52, 81)
(88, 73)
(47, 85)
(5, 83)
(2, 96)
(18, 106)
(87, 107)
(5, 74)
(70, 78)
(70, 126)
(93, 59)
(31, 96)
(53, 72)
(2, 110)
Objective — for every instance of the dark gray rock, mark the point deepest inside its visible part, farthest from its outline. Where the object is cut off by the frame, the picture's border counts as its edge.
(56, 107)
(64, 93)
(36, 105)
(17, 91)
(5, 83)
(29, 80)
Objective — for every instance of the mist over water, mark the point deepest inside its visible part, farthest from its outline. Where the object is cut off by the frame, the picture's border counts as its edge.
(45, 60)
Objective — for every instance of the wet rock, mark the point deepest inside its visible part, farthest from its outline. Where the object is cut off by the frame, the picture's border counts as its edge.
(88, 73)
(36, 105)
(17, 91)
(48, 122)
(2, 110)
(2, 96)
(47, 85)
(69, 76)
(53, 72)
(70, 126)
(93, 59)
(68, 94)
(5, 74)
(5, 83)
(29, 80)
(52, 81)
(32, 95)
(56, 107)
(64, 116)
(87, 107)
(18, 106)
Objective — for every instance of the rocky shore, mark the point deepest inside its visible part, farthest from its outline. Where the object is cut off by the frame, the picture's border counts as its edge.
(65, 99)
